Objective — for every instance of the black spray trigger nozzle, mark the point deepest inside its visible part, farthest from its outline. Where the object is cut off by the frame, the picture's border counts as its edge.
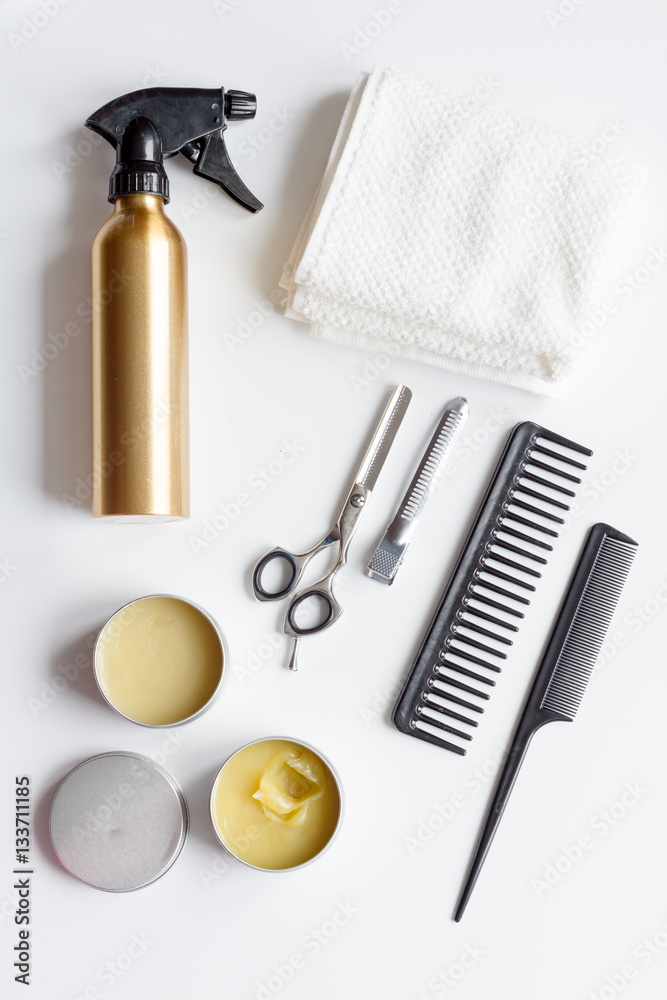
(188, 121)
(211, 160)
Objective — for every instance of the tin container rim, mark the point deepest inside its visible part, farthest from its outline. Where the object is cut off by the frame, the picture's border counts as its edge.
(200, 711)
(339, 789)
(171, 780)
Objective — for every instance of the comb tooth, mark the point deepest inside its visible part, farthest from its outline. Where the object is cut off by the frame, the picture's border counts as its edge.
(545, 435)
(561, 458)
(478, 645)
(468, 673)
(419, 710)
(496, 604)
(439, 688)
(512, 562)
(588, 627)
(450, 713)
(532, 509)
(529, 524)
(551, 468)
(519, 551)
(506, 576)
(474, 627)
(546, 482)
(487, 617)
(460, 686)
(494, 588)
(418, 726)
(527, 491)
(470, 657)
(522, 536)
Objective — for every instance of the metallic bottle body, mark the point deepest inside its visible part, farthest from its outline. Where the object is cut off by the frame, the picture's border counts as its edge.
(140, 365)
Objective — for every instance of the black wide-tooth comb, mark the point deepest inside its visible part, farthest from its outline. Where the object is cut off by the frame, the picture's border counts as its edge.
(574, 646)
(486, 597)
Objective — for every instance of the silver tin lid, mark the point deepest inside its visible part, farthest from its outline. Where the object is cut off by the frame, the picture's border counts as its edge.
(118, 821)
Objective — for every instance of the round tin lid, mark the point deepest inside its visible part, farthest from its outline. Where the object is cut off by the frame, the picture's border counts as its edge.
(118, 821)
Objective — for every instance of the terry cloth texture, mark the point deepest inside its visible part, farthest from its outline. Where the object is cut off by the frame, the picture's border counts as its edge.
(452, 232)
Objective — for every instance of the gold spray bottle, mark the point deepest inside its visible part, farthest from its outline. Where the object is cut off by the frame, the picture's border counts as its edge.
(139, 295)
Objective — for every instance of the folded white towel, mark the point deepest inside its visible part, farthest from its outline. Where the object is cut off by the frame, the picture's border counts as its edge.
(456, 233)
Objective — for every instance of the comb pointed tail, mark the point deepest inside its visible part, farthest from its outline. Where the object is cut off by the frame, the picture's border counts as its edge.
(508, 776)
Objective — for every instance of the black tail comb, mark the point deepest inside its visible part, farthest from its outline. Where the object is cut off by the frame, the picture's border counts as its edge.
(567, 665)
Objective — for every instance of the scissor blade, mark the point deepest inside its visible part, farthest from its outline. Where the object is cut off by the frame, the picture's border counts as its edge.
(383, 438)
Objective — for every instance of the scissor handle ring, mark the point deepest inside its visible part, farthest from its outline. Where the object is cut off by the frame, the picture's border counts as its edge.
(261, 566)
(305, 596)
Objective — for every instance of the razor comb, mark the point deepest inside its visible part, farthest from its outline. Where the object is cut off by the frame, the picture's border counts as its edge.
(388, 556)
(574, 646)
(488, 592)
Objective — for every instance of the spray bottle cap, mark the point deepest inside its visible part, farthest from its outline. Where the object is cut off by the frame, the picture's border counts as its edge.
(148, 125)
(139, 167)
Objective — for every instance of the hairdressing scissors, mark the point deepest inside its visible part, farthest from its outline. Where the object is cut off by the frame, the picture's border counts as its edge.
(320, 595)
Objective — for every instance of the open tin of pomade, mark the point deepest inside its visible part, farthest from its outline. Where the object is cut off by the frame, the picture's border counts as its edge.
(159, 661)
(276, 804)
(118, 821)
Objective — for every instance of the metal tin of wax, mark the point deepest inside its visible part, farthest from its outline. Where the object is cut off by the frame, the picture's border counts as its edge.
(118, 821)
(125, 614)
(339, 788)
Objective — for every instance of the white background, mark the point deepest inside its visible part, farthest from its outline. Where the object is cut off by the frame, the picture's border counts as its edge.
(219, 933)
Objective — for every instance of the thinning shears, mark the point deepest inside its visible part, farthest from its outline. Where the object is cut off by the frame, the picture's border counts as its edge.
(319, 597)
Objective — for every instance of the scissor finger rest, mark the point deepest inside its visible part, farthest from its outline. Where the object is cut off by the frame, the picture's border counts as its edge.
(294, 569)
(331, 611)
